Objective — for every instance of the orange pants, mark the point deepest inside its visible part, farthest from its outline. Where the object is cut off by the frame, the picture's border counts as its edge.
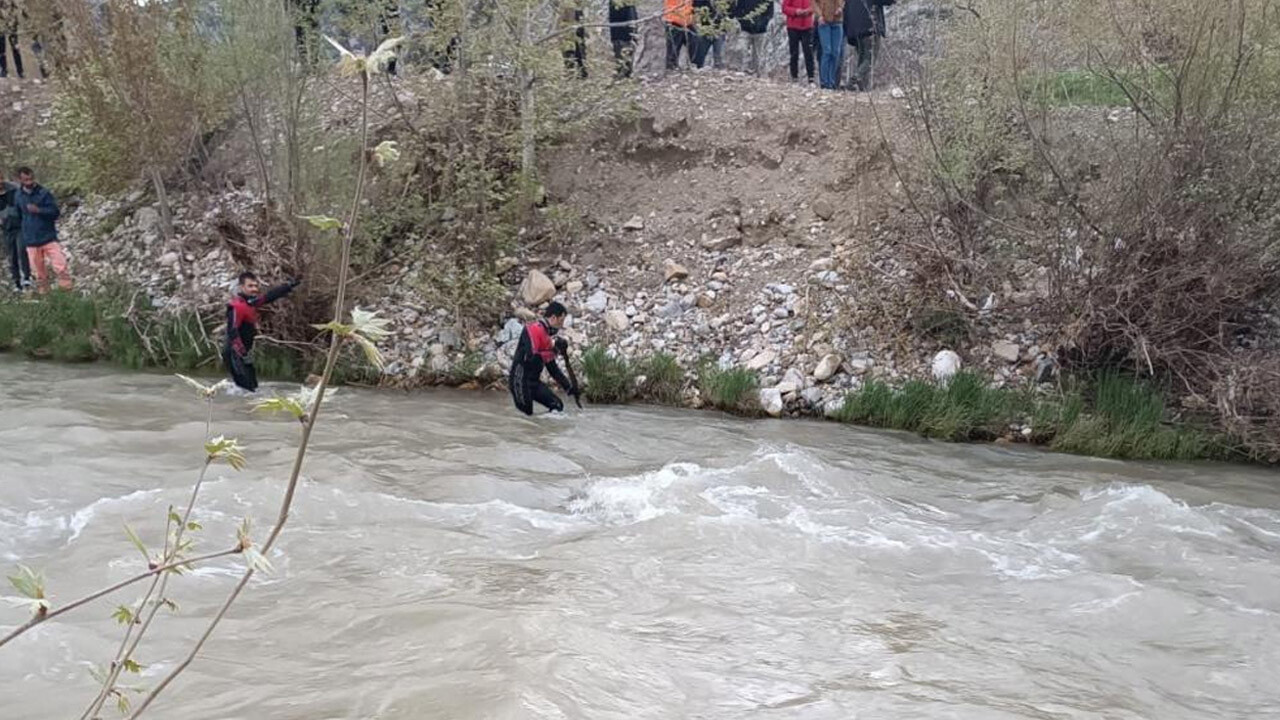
(56, 257)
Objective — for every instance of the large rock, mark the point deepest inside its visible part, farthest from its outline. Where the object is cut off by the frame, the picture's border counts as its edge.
(771, 401)
(510, 331)
(1007, 351)
(147, 218)
(794, 378)
(672, 270)
(762, 360)
(827, 367)
(860, 364)
(598, 302)
(537, 288)
(617, 320)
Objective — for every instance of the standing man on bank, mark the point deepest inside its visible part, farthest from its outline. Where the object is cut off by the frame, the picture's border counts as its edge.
(40, 232)
(536, 351)
(11, 226)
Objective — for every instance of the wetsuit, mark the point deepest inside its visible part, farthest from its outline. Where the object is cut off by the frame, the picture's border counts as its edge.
(242, 327)
(535, 351)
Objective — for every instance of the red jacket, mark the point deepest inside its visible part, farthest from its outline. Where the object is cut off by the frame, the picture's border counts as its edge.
(800, 14)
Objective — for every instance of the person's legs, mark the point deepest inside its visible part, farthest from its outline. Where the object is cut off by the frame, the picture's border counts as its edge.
(622, 51)
(544, 396)
(673, 47)
(240, 369)
(793, 50)
(832, 35)
(58, 258)
(35, 255)
(4, 57)
(17, 54)
(868, 46)
(717, 51)
(698, 46)
(806, 43)
(19, 265)
(755, 42)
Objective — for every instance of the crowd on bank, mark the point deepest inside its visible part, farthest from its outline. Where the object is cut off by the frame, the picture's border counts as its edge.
(29, 218)
(817, 31)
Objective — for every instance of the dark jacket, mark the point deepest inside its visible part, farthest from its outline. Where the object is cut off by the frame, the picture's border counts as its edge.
(10, 215)
(622, 11)
(535, 351)
(753, 15)
(38, 228)
(863, 18)
(242, 317)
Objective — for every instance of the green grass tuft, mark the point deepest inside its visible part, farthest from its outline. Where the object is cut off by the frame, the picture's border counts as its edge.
(730, 389)
(608, 378)
(663, 379)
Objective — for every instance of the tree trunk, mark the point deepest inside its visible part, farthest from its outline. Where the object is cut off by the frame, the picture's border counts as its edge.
(162, 198)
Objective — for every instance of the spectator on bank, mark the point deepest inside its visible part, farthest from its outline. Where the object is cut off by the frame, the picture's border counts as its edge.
(11, 225)
(40, 232)
(9, 24)
(753, 17)
(677, 16)
(830, 42)
(709, 17)
(863, 30)
(800, 20)
(622, 27)
(575, 46)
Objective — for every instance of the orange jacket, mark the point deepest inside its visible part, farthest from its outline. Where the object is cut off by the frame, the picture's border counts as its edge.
(678, 12)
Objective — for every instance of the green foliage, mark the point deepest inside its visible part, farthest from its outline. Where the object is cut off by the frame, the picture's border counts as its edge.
(948, 326)
(730, 389)
(465, 369)
(609, 378)
(663, 379)
(1099, 89)
(1125, 418)
(1128, 420)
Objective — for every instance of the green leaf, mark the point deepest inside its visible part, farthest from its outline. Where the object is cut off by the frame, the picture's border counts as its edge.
(28, 582)
(204, 391)
(323, 222)
(228, 450)
(386, 152)
(371, 352)
(123, 615)
(137, 542)
(290, 405)
(336, 328)
(193, 526)
(132, 666)
(173, 606)
(369, 325)
(243, 541)
(175, 518)
(122, 703)
(257, 561)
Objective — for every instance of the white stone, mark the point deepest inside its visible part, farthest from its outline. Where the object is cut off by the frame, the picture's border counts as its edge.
(635, 224)
(859, 364)
(762, 360)
(617, 320)
(537, 289)
(771, 401)
(827, 367)
(1007, 351)
(945, 365)
(598, 302)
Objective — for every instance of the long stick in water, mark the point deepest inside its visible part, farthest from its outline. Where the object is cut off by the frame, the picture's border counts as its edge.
(573, 377)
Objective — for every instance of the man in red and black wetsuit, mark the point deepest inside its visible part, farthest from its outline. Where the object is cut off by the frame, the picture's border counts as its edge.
(242, 327)
(537, 349)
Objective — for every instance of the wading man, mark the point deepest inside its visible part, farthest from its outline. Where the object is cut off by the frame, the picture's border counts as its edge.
(242, 327)
(536, 350)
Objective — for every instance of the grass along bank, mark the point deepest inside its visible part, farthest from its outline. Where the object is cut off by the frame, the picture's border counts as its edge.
(125, 330)
(1109, 415)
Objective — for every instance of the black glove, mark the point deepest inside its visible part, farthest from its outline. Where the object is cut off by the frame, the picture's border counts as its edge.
(562, 345)
(295, 282)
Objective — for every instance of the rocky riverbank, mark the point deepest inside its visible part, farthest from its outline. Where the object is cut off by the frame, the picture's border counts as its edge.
(717, 228)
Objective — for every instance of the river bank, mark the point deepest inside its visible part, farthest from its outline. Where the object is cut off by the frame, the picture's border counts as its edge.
(1107, 416)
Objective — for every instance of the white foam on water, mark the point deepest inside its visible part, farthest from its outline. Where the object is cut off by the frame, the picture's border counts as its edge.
(81, 518)
(635, 498)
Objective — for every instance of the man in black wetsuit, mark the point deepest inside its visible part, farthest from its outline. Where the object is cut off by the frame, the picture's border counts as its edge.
(537, 349)
(242, 327)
